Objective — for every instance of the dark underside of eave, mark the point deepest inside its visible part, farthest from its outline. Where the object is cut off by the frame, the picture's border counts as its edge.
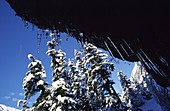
(139, 24)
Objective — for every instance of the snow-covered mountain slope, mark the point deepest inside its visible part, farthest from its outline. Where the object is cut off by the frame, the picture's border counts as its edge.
(7, 108)
(160, 99)
(136, 91)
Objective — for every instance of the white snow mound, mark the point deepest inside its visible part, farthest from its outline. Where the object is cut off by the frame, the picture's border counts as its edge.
(7, 108)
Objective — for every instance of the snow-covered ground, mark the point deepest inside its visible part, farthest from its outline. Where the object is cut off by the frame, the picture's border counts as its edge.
(7, 108)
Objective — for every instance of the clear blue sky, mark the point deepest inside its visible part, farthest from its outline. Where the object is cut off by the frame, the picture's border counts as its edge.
(16, 42)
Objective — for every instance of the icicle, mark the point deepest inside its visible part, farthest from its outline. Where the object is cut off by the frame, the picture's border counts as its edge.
(162, 72)
(163, 61)
(157, 69)
(116, 48)
(141, 59)
(128, 46)
(68, 33)
(146, 56)
(124, 50)
(110, 51)
(154, 66)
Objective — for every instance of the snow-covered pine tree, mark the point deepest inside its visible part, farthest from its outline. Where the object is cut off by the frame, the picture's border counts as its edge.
(92, 84)
(60, 90)
(58, 96)
(34, 81)
(96, 72)
(85, 85)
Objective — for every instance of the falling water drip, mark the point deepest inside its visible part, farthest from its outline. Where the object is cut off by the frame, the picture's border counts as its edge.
(58, 34)
(39, 40)
(53, 34)
(110, 51)
(116, 48)
(81, 35)
(128, 46)
(124, 50)
(81, 45)
(47, 33)
(58, 39)
(33, 26)
(43, 32)
(26, 24)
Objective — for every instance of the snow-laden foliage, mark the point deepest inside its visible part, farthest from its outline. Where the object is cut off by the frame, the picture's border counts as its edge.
(34, 80)
(82, 83)
(92, 84)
